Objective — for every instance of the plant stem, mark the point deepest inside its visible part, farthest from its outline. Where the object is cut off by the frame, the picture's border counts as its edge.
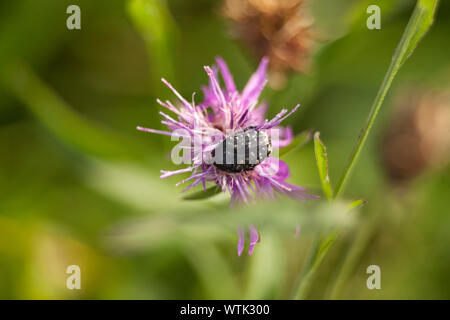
(354, 252)
(420, 21)
(401, 53)
(318, 253)
(297, 293)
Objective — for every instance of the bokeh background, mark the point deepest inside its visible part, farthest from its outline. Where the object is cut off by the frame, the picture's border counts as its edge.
(79, 185)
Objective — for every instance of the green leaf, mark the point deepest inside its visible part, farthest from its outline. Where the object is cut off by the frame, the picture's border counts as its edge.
(318, 254)
(197, 221)
(320, 250)
(322, 166)
(200, 195)
(155, 24)
(64, 122)
(213, 269)
(356, 204)
(133, 185)
(265, 268)
(419, 23)
(300, 140)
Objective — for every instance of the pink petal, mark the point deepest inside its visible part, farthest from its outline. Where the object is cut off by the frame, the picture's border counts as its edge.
(277, 122)
(179, 96)
(226, 75)
(297, 231)
(254, 238)
(167, 133)
(240, 244)
(215, 86)
(256, 83)
(166, 174)
(286, 136)
(275, 168)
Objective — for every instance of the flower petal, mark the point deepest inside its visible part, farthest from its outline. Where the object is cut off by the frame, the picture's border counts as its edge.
(179, 96)
(166, 133)
(166, 174)
(297, 231)
(283, 170)
(256, 83)
(241, 241)
(274, 168)
(254, 238)
(226, 75)
(286, 136)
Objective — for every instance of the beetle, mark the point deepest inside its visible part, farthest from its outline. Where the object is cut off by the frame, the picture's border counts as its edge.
(242, 151)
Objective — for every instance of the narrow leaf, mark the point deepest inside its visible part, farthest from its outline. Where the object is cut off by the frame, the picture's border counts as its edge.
(300, 140)
(63, 121)
(322, 165)
(419, 23)
(356, 204)
(153, 21)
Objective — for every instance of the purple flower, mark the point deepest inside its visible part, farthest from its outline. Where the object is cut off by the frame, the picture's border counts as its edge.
(224, 113)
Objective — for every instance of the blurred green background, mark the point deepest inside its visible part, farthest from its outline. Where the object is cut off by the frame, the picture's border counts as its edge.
(79, 185)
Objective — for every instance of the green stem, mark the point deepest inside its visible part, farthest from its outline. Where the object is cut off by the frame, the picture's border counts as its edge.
(402, 52)
(354, 252)
(420, 21)
(319, 251)
(297, 293)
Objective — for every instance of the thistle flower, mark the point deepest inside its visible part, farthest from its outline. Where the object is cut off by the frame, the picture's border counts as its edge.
(279, 29)
(229, 122)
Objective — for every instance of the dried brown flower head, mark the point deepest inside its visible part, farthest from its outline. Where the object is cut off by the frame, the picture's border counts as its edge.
(279, 29)
(418, 137)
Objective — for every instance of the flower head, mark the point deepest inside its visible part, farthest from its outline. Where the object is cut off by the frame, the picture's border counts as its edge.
(281, 30)
(230, 141)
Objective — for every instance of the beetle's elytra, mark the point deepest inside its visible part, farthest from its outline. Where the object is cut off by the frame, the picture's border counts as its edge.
(242, 151)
